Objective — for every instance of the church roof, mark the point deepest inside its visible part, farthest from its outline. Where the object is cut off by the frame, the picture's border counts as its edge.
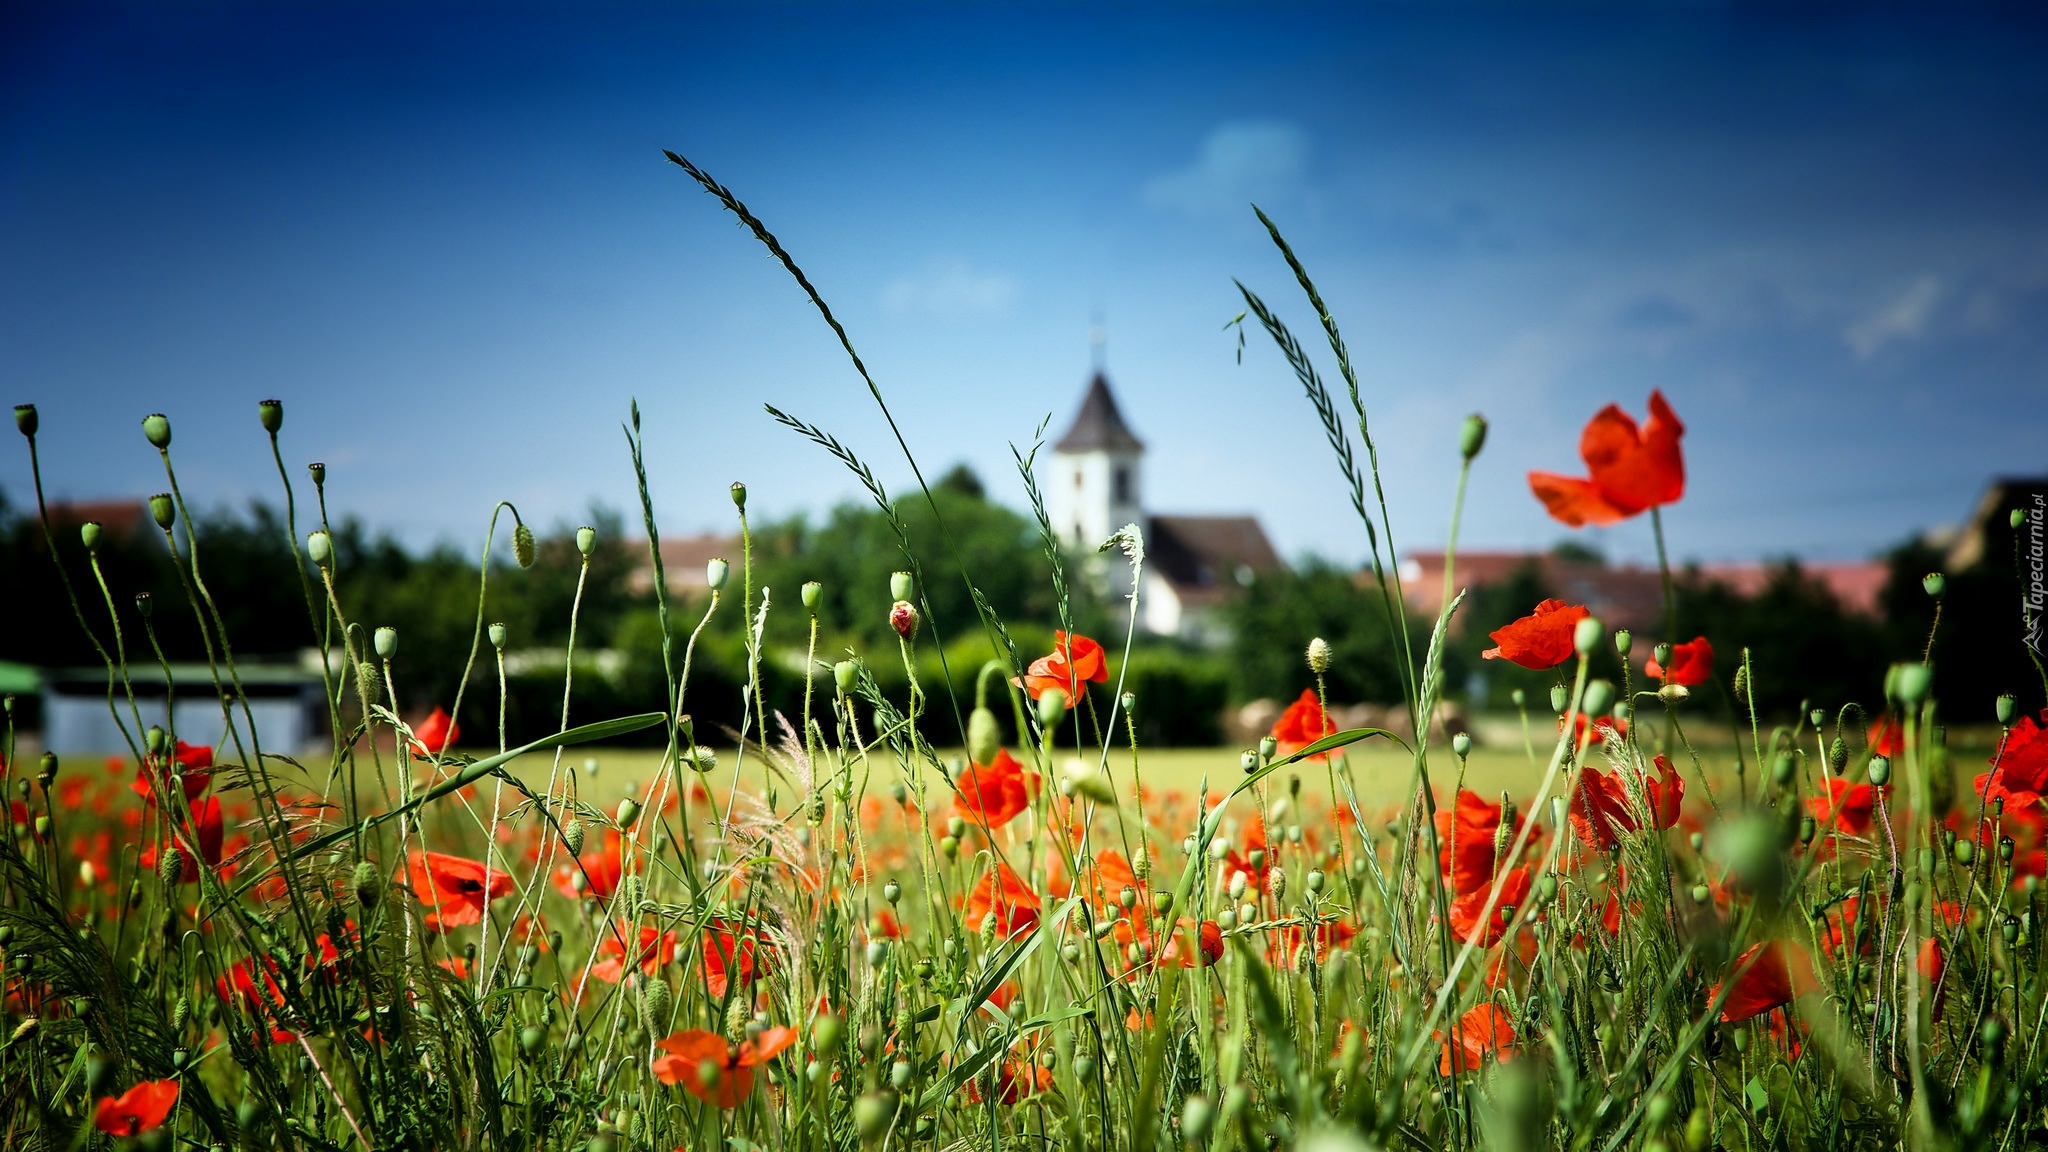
(1098, 426)
(1204, 557)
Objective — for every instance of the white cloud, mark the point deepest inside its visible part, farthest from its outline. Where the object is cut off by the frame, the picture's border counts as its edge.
(1240, 162)
(1905, 318)
(950, 288)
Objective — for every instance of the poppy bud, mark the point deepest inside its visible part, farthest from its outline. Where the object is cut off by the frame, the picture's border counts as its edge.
(156, 427)
(2005, 709)
(1238, 881)
(872, 1113)
(739, 496)
(813, 592)
(1546, 888)
(655, 999)
(1461, 745)
(367, 684)
(1472, 436)
(163, 511)
(270, 413)
(1196, 1113)
(1599, 697)
(386, 641)
(1782, 768)
(170, 866)
(1276, 883)
(1319, 655)
(845, 675)
(320, 548)
(903, 617)
(956, 827)
(522, 544)
(1749, 846)
(1935, 583)
(26, 420)
(1088, 783)
(1673, 693)
(901, 586)
(1559, 697)
(1586, 635)
(153, 740)
(1880, 770)
(2017, 517)
(1052, 708)
(89, 535)
(497, 634)
(1965, 852)
(1742, 683)
(949, 847)
(1913, 682)
(984, 736)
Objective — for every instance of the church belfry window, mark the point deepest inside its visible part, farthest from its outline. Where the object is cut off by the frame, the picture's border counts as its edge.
(1122, 484)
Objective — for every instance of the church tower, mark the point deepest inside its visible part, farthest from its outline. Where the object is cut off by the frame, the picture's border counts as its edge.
(1095, 485)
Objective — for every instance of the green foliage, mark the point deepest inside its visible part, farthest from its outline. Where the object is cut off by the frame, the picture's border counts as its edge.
(1271, 624)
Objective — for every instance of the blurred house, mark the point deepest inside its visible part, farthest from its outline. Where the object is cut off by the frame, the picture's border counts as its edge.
(683, 559)
(283, 700)
(1628, 595)
(1193, 564)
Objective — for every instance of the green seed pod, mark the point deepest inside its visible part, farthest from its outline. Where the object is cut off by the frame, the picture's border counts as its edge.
(156, 428)
(2016, 517)
(586, 541)
(1084, 1067)
(320, 548)
(497, 634)
(892, 892)
(629, 811)
(1197, 1113)
(572, 836)
(26, 420)
(1624, 641)
(1319, 655)
(1965, 852)
(739, 496)
(956, 827)
(2006, 707)
(270, 413)
(154, 740)
(826, 1034)
(1586, 635)
(872, 1114)
(1472, 436)
(1052, 708)
(899, 1075)
(1315, 882)
(368, 883)
(1935, 584)
(531, 1038)
(716, 572)
(1783, 766)
(705, 760)
(523, 549)
(1162, 903)
(984, 736)
(1910, 682)
(1269, 746)
(901, 586)
(163, 510)
(655, 999)
(89, 535)
(813, 594)
(1880, 770)
(1599, 697)
(46, 770)
(318, 472)
(949, 847)
(845, 675)
(1673, 693)
(1559, 697)
(385, 640)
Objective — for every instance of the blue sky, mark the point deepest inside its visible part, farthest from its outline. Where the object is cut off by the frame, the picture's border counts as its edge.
(446, 238)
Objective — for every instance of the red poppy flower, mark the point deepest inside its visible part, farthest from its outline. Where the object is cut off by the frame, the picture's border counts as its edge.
(195, 761)
(730, 955)
(656, 949)
(1327, 934)
(713, 1070)
(140, 1109)
(455, 890)
(1540, 640)
(206, 830)
(1015, 1079)
(1254, 841)
(994, 794)
(1931, 961)
(1847, 807)
(1767, 977)
(600, 871)
(1887, 737)
(432, 736)
(1484, 1029)
(1004, 895)
(1468, 836)
(1846, 925)
(1112, 874)
(1587, 729)
(2020, 775)
(1075, 660)
(1304, 723)
(1692, 663)
(1509, 892)
(1601, 810)
(1633, 468)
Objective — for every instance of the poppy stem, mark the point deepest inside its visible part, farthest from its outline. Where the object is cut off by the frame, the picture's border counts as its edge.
(1663, 573)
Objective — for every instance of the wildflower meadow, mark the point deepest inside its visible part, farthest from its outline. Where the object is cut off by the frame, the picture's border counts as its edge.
(881, 912)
